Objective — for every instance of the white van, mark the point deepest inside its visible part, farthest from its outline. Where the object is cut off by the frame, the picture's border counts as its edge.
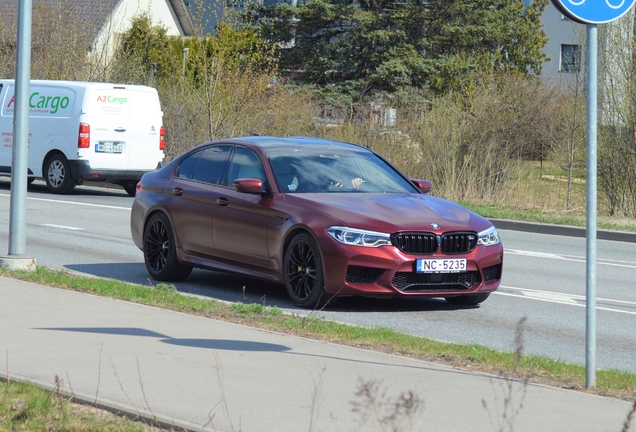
(86, 131)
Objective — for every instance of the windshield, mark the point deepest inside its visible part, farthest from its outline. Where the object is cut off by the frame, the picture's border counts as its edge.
(336, 171)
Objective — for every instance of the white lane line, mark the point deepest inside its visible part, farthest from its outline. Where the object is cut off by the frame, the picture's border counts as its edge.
(564, 299)
(62, 227)
(603, 261)
(73, 202)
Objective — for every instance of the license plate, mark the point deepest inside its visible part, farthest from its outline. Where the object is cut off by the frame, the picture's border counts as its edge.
(109, 147)
(441, 265)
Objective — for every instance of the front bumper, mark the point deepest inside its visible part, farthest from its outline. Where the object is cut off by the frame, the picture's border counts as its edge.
(387, 271)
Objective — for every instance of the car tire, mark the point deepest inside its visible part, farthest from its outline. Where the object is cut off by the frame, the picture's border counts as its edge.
(130, 188)
(468, 300)
(160, 252)
(57, 174)
(304, 278)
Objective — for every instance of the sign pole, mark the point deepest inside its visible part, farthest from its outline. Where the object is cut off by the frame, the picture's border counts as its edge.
(591, 184)
(17, 224)
(592, 13)
(16, 258)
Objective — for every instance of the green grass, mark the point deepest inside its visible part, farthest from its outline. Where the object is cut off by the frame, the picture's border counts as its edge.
(471, 357)
(26, 407)
(496, 211)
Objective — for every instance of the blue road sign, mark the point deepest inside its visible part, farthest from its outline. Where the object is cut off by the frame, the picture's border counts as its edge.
(594, 11)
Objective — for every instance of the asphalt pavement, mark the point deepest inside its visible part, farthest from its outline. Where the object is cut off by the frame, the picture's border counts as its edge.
(193, 373)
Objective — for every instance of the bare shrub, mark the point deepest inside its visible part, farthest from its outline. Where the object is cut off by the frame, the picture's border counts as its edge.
(514, 392)
(396, 414)
(61, 37)
(617, 133)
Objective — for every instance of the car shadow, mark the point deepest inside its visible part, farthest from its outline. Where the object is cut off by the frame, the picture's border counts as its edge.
(87, 189)
(202, 283)
(238, 288)
(396, 304)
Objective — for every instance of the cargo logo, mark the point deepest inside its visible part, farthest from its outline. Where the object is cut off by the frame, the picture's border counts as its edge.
(112, 99)
(46, 104)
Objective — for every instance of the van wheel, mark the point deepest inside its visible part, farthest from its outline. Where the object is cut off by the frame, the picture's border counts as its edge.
(57, 174)
(130, 188)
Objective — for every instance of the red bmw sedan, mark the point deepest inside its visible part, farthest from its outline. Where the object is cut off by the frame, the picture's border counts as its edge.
(324, 218)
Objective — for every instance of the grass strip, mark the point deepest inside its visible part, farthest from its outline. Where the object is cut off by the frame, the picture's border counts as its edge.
(497, 211)
(468, 357)
(27, 407)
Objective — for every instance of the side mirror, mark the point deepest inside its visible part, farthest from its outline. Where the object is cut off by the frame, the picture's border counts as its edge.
(250, 186)
(424, 185)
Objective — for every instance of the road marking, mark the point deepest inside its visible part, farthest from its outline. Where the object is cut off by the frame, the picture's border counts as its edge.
(603, 261)
(609, 305)
(73, 202)
(62, 227)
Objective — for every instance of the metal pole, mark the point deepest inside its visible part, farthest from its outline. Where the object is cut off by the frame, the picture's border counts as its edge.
(184, 57)
(17, 218)
(592, 121)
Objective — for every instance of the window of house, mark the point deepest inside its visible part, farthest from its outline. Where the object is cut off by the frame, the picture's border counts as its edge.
(570, 58)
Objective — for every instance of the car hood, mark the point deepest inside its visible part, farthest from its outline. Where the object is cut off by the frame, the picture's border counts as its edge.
(392, 212)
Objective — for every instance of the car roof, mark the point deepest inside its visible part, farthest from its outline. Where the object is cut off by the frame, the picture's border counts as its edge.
(273, 144)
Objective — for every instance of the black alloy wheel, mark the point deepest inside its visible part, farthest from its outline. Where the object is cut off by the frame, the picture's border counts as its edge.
(468, 300)
(304, 278)
(160, 253)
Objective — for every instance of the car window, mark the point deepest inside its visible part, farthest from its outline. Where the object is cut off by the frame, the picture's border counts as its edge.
(338, 171)
(211, 165)
(187, 165)
(245, 164)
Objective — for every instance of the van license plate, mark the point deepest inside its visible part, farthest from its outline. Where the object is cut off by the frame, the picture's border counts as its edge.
(441, 265)
(108, 147)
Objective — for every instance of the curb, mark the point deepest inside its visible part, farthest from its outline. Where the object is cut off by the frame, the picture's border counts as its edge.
(563, 230)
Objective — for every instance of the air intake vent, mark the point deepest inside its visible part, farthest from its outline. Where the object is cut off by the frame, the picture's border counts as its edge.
(362, 275)
(429, 282)
(492, 273)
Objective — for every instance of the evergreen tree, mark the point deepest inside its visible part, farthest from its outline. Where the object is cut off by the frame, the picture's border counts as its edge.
(392, 44)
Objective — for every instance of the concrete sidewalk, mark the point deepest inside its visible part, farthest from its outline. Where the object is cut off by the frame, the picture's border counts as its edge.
(201, 374)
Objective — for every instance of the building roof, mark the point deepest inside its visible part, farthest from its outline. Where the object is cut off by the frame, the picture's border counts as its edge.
(95, 12)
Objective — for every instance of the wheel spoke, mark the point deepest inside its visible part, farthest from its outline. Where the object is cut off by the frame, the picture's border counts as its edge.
(157, 242)
(301, 270)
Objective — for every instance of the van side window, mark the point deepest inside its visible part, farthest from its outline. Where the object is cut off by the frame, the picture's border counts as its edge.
(245, 164)
(187, 165)
(212, 163)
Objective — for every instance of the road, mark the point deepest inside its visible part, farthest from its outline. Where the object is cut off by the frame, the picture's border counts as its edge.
(544, 281)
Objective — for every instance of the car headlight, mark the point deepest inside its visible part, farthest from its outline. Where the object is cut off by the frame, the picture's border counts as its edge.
(359, 237)
(490, 237)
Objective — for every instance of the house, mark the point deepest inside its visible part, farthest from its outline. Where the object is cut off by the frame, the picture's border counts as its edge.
(104, 20)
(564, 48)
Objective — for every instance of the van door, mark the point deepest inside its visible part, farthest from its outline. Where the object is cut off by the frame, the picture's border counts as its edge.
(6, 130)
(107, 112)
(144, 152)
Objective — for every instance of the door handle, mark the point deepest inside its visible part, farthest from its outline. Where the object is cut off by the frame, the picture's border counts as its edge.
(177, 191)
(222, 201)
(120, 129)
